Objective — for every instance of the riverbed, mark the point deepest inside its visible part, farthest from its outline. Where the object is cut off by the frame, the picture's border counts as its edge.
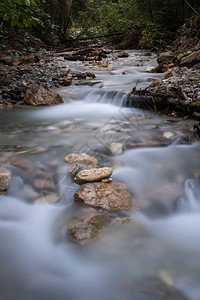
(156, 255)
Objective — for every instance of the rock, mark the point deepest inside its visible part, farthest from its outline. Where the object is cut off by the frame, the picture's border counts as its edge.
(196, 129)
(168, 75)
(90, 228)
(74, 168)
(121, 220)
(66, 81)
(168, 135)
(50, 198)
(191, 59)
(92, 175)
(122, 55)
(183, 54)
(6, 60)
(111, 196)
(81, 158)
(116, 148)
(165, 57)
(43, 184)
(106, 180)
(22, 163)
(165, 61)
(155, 288)
(5, 176)
(38, 95)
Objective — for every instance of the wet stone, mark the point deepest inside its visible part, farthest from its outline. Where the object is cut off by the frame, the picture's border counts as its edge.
(5, 176)
(38, 95)
(92, 175)
(82, 231)
(81, 158)
(43, 184)
(110, 196)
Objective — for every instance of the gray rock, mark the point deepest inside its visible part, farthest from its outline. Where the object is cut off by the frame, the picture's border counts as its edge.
(191, 59)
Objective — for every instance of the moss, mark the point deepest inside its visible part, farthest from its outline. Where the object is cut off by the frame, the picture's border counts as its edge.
(181, 51)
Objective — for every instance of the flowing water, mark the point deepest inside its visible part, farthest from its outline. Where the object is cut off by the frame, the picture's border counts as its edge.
(154, 257)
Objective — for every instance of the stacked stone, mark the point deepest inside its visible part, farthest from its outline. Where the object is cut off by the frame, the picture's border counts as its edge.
(97, 190)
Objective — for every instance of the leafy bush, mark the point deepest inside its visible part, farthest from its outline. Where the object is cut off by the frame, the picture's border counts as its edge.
(154, 35)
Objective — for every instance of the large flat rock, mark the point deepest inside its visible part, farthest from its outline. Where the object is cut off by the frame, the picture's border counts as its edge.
(111, 196)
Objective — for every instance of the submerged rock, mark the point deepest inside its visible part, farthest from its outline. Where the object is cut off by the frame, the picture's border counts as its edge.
(116, 148)
(5, 176)
(87, 229)
(81, 158)
(38, 95)
(92, 175)
(111, 196)
(89, 225)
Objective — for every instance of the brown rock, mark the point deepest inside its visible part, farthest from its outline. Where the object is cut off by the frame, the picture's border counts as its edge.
(38, 95)
(122, 54)
(93, 175)
(81, 158)
(90, 228)
(74, 168)
(43, 184)
(22, 163)
(5, 176)
(49, 198)
(165, 61)
(121, 220)
(111, 196)
(165, 57)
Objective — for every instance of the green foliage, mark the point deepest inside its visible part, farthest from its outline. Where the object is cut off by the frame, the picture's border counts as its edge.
(27, 16)
(154, 35)
(20, 13)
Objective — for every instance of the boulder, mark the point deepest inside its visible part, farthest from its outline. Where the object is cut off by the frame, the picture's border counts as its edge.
(191, 59)
(165, 61)
(92, 175)
(165, 57)
(110, 196)
(38, 95)
(5, 176)
(82, 231)
(81, 158)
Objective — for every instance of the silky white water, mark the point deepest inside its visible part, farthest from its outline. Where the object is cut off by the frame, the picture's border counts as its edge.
(154, 257)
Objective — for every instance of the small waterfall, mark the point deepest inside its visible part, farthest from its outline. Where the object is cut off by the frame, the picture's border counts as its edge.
(101, 96)
(191, 201)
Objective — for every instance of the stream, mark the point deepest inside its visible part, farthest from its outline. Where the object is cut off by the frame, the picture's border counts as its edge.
(155, 256)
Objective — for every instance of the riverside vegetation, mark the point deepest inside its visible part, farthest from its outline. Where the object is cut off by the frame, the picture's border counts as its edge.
(99, 149)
